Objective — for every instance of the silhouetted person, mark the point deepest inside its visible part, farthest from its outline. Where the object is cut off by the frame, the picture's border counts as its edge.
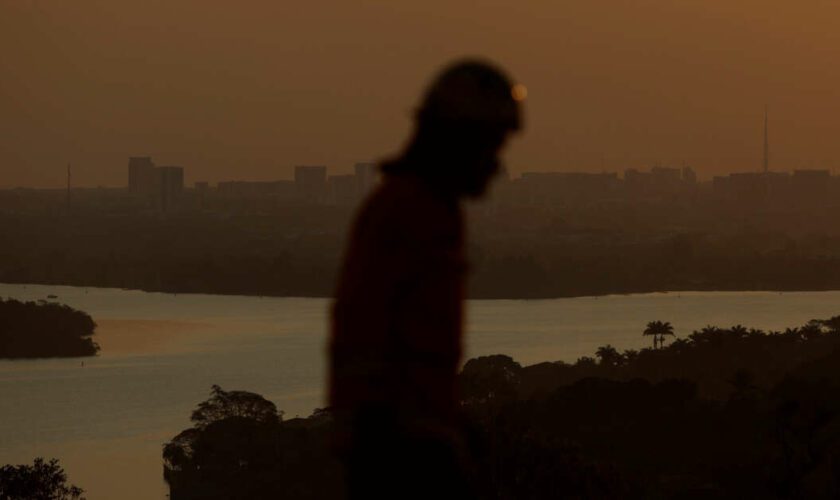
(398, 314)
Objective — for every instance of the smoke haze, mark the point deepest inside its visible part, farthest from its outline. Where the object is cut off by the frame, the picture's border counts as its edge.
(250, 91)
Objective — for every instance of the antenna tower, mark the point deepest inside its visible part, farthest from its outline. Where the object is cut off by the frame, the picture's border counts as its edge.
(766, 144)
(68, 185)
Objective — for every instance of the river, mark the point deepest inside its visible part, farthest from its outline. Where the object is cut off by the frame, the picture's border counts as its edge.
(106, 418)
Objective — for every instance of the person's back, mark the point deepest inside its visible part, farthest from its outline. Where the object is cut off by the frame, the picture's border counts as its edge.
(398, 312)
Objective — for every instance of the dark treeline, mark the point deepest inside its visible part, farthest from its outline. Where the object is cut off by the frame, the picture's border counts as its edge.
(724, 413)
(516, 252)
(39, 481)
(43, 330)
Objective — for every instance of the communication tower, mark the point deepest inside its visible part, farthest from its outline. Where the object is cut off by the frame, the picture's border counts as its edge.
(69, 177)
(766, 144)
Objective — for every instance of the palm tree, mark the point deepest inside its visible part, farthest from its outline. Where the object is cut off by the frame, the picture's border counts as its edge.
(609, 356)
(658, 329)
(630, 356)
(739, 331)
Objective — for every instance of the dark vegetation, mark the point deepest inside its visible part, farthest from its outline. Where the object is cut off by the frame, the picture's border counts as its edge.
(724, 413)
(39, 481)
(241, 448)
(516, 251)
(44, 329)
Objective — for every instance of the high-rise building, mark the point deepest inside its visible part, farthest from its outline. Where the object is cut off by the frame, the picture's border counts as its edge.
(689, 176)
(163, 185)
(365, 177)
(171, 185)
(141, 175)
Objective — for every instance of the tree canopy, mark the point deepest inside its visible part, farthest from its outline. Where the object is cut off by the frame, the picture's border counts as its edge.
(239, 447)
(39, 481)
(227, 404)
(44, 329)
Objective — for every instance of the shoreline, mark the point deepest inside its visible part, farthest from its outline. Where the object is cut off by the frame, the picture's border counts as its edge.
(475, 296)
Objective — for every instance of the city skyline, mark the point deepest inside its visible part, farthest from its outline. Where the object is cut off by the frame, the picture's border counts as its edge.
(287, 173)
(256, 91)
(342, 171)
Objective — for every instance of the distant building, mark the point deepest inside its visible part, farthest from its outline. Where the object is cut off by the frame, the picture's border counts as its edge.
(365, 177)
(247, 189)
(665, 180)
(720, 184)
(811, 177)
(778, 184)
(748, 186)
(689, 176)
(548, 188)
(164, 184)
(311, 182)
(171, 185)
(659, 181)
(810, 185)
(636, 182)
(141, 175)
(343, 189)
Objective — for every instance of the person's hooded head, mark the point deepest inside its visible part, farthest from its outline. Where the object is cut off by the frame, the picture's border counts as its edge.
(462, 123)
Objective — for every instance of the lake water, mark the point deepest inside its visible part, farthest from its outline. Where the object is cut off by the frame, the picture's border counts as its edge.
(106, 418)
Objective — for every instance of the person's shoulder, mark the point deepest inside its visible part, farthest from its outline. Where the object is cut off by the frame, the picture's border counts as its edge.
(404, 205)
(409, 198)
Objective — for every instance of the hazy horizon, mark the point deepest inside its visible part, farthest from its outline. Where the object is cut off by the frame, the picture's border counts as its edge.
(248, 93)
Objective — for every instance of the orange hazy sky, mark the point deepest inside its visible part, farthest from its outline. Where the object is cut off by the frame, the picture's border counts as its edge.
(246, 90)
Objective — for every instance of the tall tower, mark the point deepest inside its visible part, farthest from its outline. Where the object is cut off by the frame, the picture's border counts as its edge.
(766, 144)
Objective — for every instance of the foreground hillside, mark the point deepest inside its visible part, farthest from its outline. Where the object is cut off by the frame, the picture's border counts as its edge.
(724, 413)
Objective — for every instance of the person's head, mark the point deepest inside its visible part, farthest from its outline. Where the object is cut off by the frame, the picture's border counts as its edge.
(462, 124)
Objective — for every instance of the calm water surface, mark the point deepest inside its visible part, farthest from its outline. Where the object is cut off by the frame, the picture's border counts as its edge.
(106, 418)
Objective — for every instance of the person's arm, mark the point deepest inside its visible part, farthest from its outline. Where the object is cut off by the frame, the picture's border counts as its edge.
(363, 308)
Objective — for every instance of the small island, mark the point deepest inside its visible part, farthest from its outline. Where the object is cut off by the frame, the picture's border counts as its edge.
(44, 330)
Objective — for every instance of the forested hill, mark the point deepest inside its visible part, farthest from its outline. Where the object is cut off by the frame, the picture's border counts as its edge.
(511, 255)
(726, 413)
